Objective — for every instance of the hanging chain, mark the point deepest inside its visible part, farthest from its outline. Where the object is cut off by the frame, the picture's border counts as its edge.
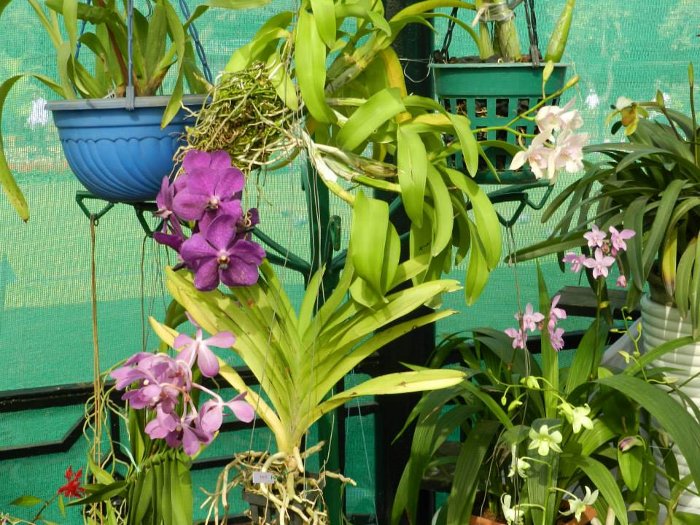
(197, 43)
(532, 32)
(445, 51)
(496, 12)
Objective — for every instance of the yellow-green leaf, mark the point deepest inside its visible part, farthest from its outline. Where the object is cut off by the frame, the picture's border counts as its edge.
(488, 228)
(412, 165)
(324, 14)
(470, 147)
(282, 82)
(378, 109)
(370, 219)
(443, 214)
(310, 55)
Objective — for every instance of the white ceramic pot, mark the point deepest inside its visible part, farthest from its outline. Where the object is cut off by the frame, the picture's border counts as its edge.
(663, 323)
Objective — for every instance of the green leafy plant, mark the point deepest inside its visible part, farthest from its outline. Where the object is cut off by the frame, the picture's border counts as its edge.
(333, 66)
(298, 357)
(651, 185)
(544, 441)
(161, 43)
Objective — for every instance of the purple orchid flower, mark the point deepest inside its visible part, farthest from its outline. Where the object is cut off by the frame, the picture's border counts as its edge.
(198, 349)
(241, 409)
(171, 234)
(213, 187)
(220, 254)
(159, 377)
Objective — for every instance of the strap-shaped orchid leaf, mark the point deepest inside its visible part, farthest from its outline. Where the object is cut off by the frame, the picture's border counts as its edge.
(412, 165)
(310, 55)
(442, 208)
(365, 120)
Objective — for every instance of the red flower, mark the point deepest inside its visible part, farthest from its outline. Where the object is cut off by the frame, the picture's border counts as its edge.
(72, 488)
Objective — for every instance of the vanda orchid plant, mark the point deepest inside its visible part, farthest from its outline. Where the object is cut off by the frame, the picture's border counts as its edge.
(547, 443)
(297, 357)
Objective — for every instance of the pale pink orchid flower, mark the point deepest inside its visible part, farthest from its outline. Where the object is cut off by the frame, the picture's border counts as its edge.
(621, 281)
(595, 237)
(537, 155)
(555, 118)
(618, 238)
(519, 337)
(569, 149)
(600, 264)
(530, 318)
(575, 260)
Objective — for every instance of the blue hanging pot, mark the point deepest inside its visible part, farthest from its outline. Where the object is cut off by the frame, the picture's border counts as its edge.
(121, 155)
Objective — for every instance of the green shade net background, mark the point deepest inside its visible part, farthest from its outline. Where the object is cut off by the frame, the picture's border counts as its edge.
(630, 48)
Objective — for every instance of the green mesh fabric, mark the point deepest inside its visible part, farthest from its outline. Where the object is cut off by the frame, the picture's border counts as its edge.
(627, 48)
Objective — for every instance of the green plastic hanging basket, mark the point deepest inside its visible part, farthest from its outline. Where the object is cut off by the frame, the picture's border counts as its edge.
(493, 95)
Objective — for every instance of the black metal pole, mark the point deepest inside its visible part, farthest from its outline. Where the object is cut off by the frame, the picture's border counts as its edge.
(414, 47)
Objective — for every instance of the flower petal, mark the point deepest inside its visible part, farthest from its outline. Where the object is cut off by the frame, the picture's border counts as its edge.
(206, 276)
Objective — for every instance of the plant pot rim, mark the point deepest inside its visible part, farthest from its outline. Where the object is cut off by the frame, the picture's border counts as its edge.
(120, 103)
(493, 65)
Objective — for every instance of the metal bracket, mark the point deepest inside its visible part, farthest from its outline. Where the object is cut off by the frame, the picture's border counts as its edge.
(82, 196)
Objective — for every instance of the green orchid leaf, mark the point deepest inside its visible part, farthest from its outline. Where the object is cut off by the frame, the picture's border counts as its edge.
(156, 38)
(324, 15)
(263, 44)
(673, 418)
(603, 481)
(396, 383)
(282, 81)
(412, 166)
(485, 216)
(7, 181)
(26, 501)
(472, 454)
(368, 236)
(470, 148)
(477, 268)
(70, 21)
(365, 120)
(631, 464)
(310, 55)
(443, 221)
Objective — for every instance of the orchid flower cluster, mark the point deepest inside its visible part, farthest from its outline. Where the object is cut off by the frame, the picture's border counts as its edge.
(207, 197)
(556, 146)
(605, 253)
(546, 440)
(529, 321)
(163, 385)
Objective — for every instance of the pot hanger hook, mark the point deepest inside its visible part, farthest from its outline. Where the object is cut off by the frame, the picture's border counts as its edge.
(130, 51)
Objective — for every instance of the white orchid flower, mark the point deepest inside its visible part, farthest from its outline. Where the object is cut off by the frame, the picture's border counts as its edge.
(578, 506)
(577, 416)
(544, 441)
(513, 515)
